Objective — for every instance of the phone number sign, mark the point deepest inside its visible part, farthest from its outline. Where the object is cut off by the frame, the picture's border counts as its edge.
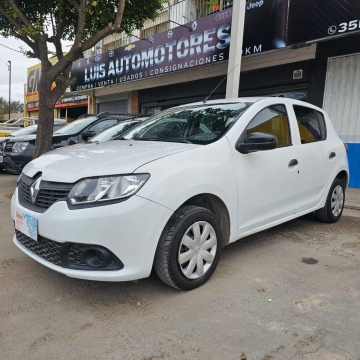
(318, 19)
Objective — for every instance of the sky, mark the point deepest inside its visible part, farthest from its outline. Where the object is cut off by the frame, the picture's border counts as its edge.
(19, 65)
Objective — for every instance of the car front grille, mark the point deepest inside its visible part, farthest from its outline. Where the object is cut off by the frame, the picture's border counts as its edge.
(8, 147)
(66, 255)
(49, 193)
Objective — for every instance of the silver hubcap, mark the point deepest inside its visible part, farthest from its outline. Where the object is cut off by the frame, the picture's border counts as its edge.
(197, 250)
(337, 200)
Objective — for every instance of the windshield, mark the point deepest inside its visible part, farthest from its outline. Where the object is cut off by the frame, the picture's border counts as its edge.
(200, 124)
(75, 127)
(24, 131)
(115, 131)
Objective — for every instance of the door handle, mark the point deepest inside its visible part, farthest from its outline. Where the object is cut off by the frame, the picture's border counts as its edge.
(293, 162)
(332, 155)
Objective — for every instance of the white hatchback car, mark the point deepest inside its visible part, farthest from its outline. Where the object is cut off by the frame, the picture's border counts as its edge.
(178, 187)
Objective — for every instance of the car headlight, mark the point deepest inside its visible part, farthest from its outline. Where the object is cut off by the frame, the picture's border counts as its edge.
(96, 190)
(19, 147)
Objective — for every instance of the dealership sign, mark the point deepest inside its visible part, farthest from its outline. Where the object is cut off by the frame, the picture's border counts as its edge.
(269, 25)
(201, 42)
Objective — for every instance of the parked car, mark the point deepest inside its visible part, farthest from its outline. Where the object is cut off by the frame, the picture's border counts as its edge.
(19, 151)
(17, 123)
(85, 116)
(116, 130)
(29, 130)
(171, 198)
(6, 130)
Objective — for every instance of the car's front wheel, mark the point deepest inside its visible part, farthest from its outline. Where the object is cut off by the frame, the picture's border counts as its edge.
(334, 205)
(189, 248)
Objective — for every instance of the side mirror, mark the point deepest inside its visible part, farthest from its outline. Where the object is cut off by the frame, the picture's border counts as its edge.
(87, 135)
(257, 142)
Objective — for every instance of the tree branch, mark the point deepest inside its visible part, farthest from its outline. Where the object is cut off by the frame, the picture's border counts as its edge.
(74, 3)
(20, 14)
(108, 30)
(119, 13)
(80, 23)
(11, 20)
(26, 40)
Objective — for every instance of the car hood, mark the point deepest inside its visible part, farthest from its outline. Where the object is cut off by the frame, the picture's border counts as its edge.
(72, 163)
(56, 139)
(24, 138)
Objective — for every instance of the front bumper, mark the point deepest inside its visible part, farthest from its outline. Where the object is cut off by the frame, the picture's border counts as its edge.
(130, 230)
(15, 162)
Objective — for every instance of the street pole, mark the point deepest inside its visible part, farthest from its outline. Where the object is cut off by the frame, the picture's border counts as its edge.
(237, 34)
(9, 88)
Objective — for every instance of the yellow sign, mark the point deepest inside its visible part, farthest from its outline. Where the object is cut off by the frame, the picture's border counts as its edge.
(33, 80)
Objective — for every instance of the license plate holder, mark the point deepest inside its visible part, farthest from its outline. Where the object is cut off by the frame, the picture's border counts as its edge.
(26, 224)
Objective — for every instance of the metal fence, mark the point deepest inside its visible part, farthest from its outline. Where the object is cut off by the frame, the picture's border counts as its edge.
(184, 11)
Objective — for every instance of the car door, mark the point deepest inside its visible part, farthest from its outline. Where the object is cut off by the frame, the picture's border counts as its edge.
(317, 162)
(267, 180)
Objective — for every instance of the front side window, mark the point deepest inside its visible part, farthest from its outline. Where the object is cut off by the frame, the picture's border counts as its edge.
(199, 124)
(311, 124)
(272, 120)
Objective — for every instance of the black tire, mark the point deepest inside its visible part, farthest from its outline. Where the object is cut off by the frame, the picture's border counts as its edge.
(328, 213)
(171, 246)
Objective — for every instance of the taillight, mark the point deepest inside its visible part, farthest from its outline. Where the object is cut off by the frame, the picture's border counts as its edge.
(346, 147)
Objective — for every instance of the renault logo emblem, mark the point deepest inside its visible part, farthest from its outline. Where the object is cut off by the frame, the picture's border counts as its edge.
(34, 189)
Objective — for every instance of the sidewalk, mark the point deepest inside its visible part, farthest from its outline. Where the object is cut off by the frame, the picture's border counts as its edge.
(352, 198)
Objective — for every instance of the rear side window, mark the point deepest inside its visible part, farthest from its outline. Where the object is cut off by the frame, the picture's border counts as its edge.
(103, 125)
(272, 120)
(311, 123)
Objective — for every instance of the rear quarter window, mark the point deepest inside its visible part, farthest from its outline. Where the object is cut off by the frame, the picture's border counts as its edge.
(311, 124)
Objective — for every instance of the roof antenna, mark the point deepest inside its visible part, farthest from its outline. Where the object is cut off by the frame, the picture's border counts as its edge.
(220, 83)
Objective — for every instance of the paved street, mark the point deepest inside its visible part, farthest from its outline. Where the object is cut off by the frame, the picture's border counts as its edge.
(291, 292)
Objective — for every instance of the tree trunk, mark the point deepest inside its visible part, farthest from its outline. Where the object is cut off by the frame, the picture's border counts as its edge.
(46, 118)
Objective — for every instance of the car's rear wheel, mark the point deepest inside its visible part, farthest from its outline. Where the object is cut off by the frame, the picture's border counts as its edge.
(189, 248)
(334, 205)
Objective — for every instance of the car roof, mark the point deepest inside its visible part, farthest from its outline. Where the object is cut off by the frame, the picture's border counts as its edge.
(253, 100)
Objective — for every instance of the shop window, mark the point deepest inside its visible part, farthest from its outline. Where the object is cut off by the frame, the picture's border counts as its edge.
(272, 120)
(311, 124)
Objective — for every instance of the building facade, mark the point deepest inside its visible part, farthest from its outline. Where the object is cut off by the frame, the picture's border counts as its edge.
(304, 49)
(69, 107)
